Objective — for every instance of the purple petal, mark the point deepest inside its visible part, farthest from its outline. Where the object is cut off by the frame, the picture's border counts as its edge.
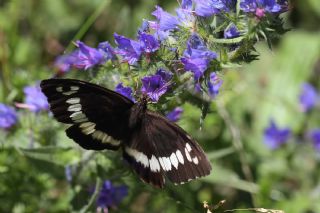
(231, 32)
(175, 114)
(129, 49)
(260, 6)
(308, 97)
(186, 4)
(65, 62)
(107, 51)
(8, 116)
(214, 85)
(87, 57)
(248, 5)
(155, 86)
(274, 137)
(209, 7)
(165, 19)
(35, 99)
(197, 66)
(314, 135)
(165, 75)
(149, 43)
(110, 195)
(125, 91)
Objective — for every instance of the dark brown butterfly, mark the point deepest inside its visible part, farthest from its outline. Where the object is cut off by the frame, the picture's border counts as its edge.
(103, 119)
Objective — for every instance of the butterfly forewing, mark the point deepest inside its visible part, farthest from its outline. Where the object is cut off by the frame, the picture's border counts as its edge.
(99, 116)
(160, 148)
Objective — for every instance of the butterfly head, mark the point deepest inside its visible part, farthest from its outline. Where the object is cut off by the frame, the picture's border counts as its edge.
(137, 111)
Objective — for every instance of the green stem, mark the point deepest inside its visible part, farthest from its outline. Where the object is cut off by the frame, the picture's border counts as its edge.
(93, 197)
(88, 23)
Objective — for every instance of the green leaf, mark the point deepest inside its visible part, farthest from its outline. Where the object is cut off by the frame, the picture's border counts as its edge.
(228, 178)
(56, 155)
(220, 153)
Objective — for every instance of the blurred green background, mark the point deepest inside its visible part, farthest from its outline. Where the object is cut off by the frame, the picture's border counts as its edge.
(245, 172)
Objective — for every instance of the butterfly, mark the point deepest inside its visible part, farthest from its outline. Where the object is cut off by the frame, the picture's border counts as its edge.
(153, 146)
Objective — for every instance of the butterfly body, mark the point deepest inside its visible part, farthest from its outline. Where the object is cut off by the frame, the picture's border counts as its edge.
(103, 119)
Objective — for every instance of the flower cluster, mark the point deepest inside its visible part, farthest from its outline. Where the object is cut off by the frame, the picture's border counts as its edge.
(309, 99)
(169, 47)
(35, 101)
(274, 136)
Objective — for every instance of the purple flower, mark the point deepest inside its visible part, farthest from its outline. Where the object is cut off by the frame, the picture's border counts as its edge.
(156, 85)
(167, 22)
(165, 75)
(165, 19)
(87, 57)
(210, 7)
(185, 17)
(231, 32)
(8, 116)
(107, 51)
(125, 91)
(145, 26)
(175, 114)
(110, 195)
(214, 85)
(308, 97)
(148, 43)
(197, 56)
(130, 50)
(65, 62)
(35, 100)
(259, 7)
(186, 4)
(314, 135)
(274, 136)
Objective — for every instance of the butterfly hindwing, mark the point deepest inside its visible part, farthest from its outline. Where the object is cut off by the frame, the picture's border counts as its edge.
(99, 116)
(160, 148)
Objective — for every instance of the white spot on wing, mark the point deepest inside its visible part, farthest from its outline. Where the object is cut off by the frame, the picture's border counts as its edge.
(154, 164)
(78, 117)
(87, 124)
(59, 89)
(180, 157)
(75, 108)
(97, 135)
(162, 164)
(167, 163)
(74, 88)
(174, 160)
(188, 147)
(87, 128)
(138, 156)
(187, 154)
(88, 131)
(73, 100)
(195, 160)
(104, 138)
(69, 92)
(143, 159)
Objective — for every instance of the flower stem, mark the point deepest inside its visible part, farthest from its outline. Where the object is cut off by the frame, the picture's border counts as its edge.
(88, 23)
